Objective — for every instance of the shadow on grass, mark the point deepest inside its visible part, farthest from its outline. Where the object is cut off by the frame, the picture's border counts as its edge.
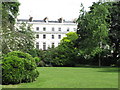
(93, 66)
(110, 70)
(102, 68)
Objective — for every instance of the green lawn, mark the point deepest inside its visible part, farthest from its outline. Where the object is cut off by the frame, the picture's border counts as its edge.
(72, 77)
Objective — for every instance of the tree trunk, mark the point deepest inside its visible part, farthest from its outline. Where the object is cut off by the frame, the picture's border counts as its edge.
(99, 60)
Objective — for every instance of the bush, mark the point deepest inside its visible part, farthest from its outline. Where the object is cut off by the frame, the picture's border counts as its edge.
(18, 67)
(42, 64)
(36, 53)
(37, 60)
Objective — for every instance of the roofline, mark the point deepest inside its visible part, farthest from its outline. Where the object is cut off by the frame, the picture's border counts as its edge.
(42, 21)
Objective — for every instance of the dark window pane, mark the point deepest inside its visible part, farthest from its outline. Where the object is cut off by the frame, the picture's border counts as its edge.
(53, 45)
(37, 36)
(59, 29)
(68, 29)
(52, 36)
(44, 46)
(53, 29)
(59, 36)
(37, 28)
(44, 29)
(44, 36)
(37, 45)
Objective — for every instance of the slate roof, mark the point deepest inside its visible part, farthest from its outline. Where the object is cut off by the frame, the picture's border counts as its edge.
(26, 20)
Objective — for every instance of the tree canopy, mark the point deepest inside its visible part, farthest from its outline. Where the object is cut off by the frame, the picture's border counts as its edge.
(15, 37)
(93, 30)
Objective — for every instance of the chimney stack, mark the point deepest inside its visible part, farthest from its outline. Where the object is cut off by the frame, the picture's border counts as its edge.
(30, 19)
(61, 20)
(46, 19)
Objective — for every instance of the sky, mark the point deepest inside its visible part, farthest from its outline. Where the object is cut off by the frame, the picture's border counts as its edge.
(53, 9)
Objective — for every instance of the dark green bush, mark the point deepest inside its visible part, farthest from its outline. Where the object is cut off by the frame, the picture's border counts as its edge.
(42, 64)
(18, 67)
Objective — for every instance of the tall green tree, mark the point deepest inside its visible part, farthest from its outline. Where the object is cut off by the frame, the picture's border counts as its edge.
(93, 30)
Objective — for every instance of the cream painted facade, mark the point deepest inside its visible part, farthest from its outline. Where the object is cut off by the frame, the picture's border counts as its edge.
(49, 33)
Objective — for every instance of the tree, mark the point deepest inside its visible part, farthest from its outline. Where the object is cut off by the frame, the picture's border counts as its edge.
(9, 13)
(65, 54)
(114, 33)
(14, 38)
(24, 37)
(93, 30)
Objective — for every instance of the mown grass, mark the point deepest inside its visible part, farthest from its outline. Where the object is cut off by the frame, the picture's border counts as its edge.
(72, 77)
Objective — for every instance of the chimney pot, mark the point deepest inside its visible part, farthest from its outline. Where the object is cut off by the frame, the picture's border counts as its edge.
(30, 19)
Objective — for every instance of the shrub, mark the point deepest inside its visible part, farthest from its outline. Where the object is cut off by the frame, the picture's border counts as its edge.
(37, 60)
(18, 67)
(42, 64)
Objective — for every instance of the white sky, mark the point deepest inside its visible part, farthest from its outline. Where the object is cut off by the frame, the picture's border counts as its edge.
(53, 9)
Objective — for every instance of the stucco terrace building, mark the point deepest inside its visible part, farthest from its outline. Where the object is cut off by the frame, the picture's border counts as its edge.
(49, 33)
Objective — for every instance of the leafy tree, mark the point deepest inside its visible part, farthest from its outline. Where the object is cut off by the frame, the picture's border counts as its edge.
(9, 13)
(13, 37)
(114, 33)
(65, 53)
(71, 37)
(93, 30)
(24, 39)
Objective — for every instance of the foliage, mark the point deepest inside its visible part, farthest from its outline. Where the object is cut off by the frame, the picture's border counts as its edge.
(18, 67)
(114, 33)
(15, 37)
(37, 60)
(65, 53)
(12, 69)
(9, 13)
(36, 53)
(71, 36)
(93, 30)
(24, 38)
